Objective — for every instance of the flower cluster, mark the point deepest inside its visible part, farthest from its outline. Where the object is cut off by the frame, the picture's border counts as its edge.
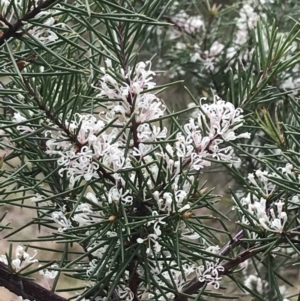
(213, 125)
(271, 220)
(132, 93)
(262, 287)
(85, 215)
(190, 24)
(209, 58)
(246, 21)
(173, 275)
(49, 274)
(207, 54)
(209, 272)
(87, 146)
(94, 145)
(22, 259)
(272, 217)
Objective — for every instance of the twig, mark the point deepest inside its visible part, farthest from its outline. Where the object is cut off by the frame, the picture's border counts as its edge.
(26, 288)
(13, 29)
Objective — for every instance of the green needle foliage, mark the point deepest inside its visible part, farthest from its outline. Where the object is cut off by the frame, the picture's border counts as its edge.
(111, 175)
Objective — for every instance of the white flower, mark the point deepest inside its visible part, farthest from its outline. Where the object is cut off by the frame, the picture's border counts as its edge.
(3, 259)
(97, 250)
(143, 150)
(37, 198)
(254, 283)
(287, 169)
(263, 184)
(84, 215)
(125, 293)
(153, 241)
(168, 201)
(184, 208)
(140, 240)
(157, 221)
(145, 133)
(219, 121)
(50, 274)
(195, 57)
(213, 249)
(45, 34)
(61, 219)
(210, 273)
(187, 233)
(115, 195)
(18, 118)
(190, 24)
(272, 220)
(91, 196)
(183, 146)
(23, 258)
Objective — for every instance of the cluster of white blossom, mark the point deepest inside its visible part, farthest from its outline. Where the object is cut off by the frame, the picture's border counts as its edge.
(213, 125)
(246, 21)
(22, 259)
(44, 33)
(210, 273)
(260, 286)
(153, 238)
(289, 79)
(50, 274)
(198, 57)
(249, 13)
(273, 221)
(274, 218)
(132, 93)
(210, 58)
(158, 267)
(165, 272)
(190, 24)
(94, 144)
(83, 216)
(18, 118)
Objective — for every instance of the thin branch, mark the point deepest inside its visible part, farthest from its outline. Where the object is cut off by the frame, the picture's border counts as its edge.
(194, 285)
(49, 113)
(12, 31)
(24, 287)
